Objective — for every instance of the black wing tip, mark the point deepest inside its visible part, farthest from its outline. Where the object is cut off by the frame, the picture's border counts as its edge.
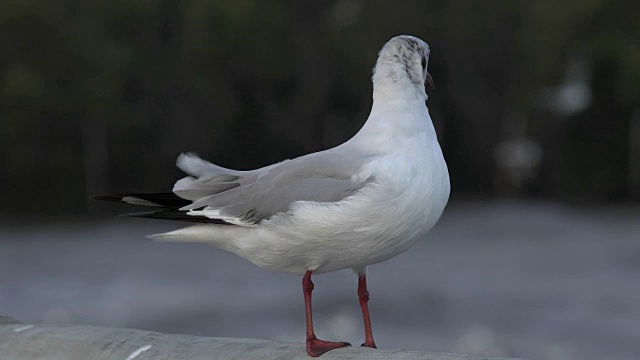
(165, 199)
(175, 216)
(143, 215)
(107, 197)
(169, 203)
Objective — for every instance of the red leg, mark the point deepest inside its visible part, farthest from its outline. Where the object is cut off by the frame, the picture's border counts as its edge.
(315, 347)
(363, 295)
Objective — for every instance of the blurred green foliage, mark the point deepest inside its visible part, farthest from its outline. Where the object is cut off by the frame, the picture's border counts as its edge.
(102, 96)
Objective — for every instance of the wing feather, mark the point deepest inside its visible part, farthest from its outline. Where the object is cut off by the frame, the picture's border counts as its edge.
(246, 198)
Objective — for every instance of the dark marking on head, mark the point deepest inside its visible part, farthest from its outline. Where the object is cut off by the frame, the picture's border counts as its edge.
(412, 44)
(409, 55)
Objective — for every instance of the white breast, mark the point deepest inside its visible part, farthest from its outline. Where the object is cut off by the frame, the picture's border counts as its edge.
(385, 218)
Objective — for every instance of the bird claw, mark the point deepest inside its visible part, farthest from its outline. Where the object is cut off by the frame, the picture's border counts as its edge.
(369, 344)
(316, 347)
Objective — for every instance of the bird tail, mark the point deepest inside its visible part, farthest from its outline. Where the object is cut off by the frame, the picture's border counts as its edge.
(226, 237)
(208, 231)
(205, 179)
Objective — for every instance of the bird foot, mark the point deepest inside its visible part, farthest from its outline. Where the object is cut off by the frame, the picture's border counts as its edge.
(370, 344)
(316, 347)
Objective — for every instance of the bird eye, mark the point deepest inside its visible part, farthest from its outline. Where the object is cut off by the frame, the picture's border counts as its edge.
(424, 63)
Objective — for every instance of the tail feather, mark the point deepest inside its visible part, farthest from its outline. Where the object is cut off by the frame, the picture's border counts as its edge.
(225, 237)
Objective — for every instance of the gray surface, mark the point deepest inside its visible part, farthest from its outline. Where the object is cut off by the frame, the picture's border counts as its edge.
(531, 280)
(68, 342)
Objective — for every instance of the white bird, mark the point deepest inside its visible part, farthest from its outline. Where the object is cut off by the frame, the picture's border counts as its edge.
(351, 206)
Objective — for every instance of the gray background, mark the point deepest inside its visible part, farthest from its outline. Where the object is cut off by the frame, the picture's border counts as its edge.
(530, 279)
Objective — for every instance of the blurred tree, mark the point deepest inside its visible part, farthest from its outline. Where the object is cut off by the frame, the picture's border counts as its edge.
(99, 97)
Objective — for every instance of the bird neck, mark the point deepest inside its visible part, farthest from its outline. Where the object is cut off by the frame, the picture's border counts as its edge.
(391, 83)
(396, 115)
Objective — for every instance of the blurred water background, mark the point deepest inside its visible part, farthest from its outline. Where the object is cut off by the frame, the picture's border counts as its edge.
(537, 106)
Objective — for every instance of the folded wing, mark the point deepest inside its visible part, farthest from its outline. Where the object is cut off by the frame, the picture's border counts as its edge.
(247, 197)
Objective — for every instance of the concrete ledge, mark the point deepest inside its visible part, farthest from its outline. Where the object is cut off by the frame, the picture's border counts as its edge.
(72, 342)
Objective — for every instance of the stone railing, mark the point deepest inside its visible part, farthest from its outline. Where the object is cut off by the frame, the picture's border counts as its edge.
(73, 342)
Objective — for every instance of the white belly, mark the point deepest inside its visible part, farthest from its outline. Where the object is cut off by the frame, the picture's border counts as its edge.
(375, 224)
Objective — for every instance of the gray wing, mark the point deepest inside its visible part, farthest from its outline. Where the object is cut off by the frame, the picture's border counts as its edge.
(247, 197)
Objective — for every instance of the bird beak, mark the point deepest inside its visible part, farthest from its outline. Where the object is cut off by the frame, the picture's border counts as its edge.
(429, 83)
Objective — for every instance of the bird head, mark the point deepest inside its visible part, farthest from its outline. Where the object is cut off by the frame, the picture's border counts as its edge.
(408, 55)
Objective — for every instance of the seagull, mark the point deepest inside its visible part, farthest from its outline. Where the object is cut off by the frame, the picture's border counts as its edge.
(348, 207)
